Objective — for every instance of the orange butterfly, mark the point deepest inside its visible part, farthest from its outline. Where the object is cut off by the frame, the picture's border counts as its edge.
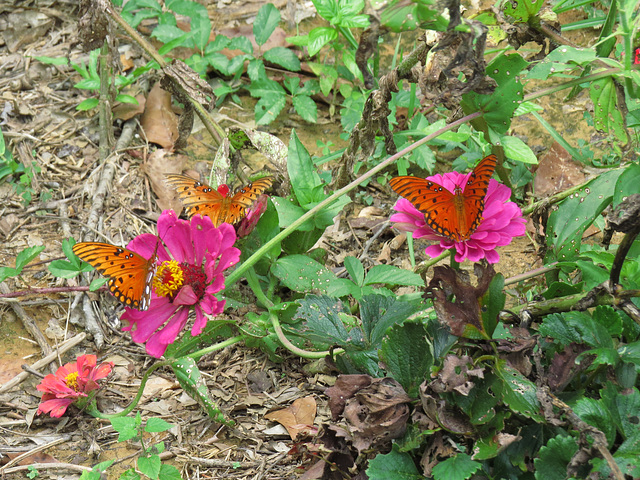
(129, 274)
(200, 198)
(453, 215)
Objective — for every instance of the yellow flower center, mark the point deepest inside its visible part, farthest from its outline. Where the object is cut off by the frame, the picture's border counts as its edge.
(71, 381)
(168, 279)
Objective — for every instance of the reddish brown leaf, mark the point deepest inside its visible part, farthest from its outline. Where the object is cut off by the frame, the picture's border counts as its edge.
(158, 121)
(343, 390)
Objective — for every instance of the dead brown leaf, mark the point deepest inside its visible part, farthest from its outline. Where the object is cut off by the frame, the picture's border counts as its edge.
(156, 166)
(158, 121)
(556, 172)
(296, 417)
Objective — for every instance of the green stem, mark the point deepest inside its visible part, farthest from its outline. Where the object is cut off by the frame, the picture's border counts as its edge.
(92, 410)
(218, 346)
(346, 33)
(254, 284)
(572, 83)
(241, 269)
(292, 348)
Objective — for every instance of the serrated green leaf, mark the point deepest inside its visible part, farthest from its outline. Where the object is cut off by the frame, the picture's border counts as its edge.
(192, 382)
(392, 275)
(306, 183)
(406, 354)
(65, 269)
(87, 104)
(169, 472)
(595, 413)
(303, 274)
(458, 467)
(127, 427)
(325, 321)
(306, 108)
(284, 57)
(575, 327)
(150, 466)
(394, 465)
(554, 457)
(379, 312)
(265, 23)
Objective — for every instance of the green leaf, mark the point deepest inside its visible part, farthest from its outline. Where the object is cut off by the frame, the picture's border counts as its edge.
(169, 472)
(200, 23)
(127, 427)
(554, 457)
(53, 60)
(268, 108)
(319, 37)
(265, 87)
(576, 213)
(355, 269)
(284, 57)
(627, 183)
(265, 23)
(595, 413)
(516, 149)
(303, 274)
(306, 108)
(561, 59)
(521, 10)
(87, 104)
(499, 106)
(325, 322)
(406, 354)
(306, 183)
(327, 9)
(129, 474)
(150, 466)
(392, 275)
(575, 327)
(607, 115)
(96, 283)
(393, 466)
(378, 313)
(519, 393)
(192, 382)
(26, 255)
(65, 269)
(400, 16)
(155, 424)
(458, 467)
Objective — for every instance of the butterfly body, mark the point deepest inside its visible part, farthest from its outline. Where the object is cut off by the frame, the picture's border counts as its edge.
(200, 198)
(453, 215)
(130, 275)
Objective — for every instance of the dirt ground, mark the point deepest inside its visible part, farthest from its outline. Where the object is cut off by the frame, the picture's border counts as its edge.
(42, 126)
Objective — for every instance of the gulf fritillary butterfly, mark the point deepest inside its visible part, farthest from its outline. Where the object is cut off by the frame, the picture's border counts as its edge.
(453, 215)
(129, 274)
(200, 198)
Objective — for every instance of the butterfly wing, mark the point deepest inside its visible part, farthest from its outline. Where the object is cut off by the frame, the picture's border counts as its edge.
(432, 199)
(198, 197)
(244, 197)
(129, 274)
(452, 215)
(475, 192)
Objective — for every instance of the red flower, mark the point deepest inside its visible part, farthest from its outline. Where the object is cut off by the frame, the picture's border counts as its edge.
(71, 383)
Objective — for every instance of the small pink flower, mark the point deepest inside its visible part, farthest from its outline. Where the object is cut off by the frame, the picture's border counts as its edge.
(254, 212)
(70, 384)
(636, 60)
(502, 220)
(188, 276)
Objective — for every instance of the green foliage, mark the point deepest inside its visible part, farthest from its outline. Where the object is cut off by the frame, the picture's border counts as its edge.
(149, 463)
(22, 259)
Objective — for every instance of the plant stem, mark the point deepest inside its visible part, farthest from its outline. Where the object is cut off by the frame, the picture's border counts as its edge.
(254, 284)
(218, 346)
(571, 83)
(292, 348)
(241, 269)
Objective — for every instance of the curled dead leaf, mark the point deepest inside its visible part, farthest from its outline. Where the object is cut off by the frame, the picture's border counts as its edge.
(297, 417)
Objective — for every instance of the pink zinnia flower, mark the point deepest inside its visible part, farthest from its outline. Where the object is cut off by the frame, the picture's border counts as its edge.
(188, 277)
(254, 212)
(70, 384)
(502, 220)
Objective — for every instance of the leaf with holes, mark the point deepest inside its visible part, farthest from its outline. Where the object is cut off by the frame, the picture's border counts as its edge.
(192, 382)
(567, 224)
(518, 392)
(607, 115)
